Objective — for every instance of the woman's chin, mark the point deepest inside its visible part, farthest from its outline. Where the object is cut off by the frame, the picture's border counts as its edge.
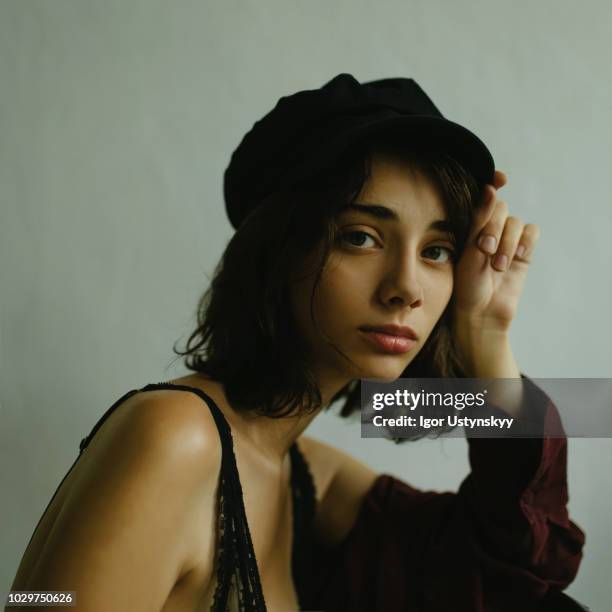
(385, 370)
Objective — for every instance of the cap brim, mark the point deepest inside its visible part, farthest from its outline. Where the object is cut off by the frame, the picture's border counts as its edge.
(439, 133)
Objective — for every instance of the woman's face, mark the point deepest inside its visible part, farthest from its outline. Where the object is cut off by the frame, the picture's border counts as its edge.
(392, 264)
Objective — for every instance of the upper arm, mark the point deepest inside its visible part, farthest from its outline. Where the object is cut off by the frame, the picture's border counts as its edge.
(125, 530)
(342, 483)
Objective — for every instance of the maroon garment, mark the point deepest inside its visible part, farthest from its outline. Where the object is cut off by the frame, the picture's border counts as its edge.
(504, 541)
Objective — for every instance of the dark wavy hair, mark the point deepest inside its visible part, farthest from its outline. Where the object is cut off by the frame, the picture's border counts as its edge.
(247, 337)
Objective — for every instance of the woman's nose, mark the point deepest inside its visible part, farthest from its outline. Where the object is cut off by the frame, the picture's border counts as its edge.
(401, 286)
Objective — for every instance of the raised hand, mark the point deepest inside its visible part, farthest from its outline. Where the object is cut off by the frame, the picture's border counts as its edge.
(490, 275)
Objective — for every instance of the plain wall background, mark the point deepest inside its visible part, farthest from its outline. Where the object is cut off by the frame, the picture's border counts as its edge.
(117, 121)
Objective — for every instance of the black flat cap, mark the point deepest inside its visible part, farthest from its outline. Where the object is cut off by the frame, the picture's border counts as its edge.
(307, 131)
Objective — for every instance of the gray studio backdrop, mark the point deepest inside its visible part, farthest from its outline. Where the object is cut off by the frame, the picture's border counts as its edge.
(117, 120)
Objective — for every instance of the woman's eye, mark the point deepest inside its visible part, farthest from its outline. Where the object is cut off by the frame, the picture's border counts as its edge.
(359, 239)
(346, 237)
(436, 250)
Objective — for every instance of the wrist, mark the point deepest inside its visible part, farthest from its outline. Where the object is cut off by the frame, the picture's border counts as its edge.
(478, 324)
(485, 352)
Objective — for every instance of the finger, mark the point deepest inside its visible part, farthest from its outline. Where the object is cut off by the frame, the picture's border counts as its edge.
(490, 234)
(499, 179)
(527, 242)
(508, 243)
(483, 212)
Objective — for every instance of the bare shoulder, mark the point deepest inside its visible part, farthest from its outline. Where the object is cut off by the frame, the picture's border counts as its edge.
(172, 418)
(342, 482)
(160, 431)
(126, 528)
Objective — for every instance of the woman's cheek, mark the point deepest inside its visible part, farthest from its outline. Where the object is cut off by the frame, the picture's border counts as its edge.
(336, 297)
(438, 291)
(354, 273)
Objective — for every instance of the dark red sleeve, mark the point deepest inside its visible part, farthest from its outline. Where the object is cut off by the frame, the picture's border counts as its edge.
(504, 541)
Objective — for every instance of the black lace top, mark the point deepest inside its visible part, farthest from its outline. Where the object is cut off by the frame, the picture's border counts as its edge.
(238, 583)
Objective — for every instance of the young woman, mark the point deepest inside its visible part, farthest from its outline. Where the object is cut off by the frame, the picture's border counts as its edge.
(370, 243)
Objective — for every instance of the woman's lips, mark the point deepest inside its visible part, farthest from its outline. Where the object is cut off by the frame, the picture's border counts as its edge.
(388, 342)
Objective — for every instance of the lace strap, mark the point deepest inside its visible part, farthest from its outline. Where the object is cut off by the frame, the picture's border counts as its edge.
(304, 507)
(236, 562)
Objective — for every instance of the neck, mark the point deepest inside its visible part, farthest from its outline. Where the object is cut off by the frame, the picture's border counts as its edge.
(272, 437)
(276, 436)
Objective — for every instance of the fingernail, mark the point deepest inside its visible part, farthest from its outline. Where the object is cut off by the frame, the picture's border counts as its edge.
(520, 251)
(501, 261)
(488, 243)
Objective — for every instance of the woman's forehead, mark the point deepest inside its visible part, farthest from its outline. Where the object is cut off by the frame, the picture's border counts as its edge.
(395, 194)
(398, 182)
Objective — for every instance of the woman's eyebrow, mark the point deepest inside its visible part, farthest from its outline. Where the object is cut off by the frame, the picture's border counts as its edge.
(379, 211)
